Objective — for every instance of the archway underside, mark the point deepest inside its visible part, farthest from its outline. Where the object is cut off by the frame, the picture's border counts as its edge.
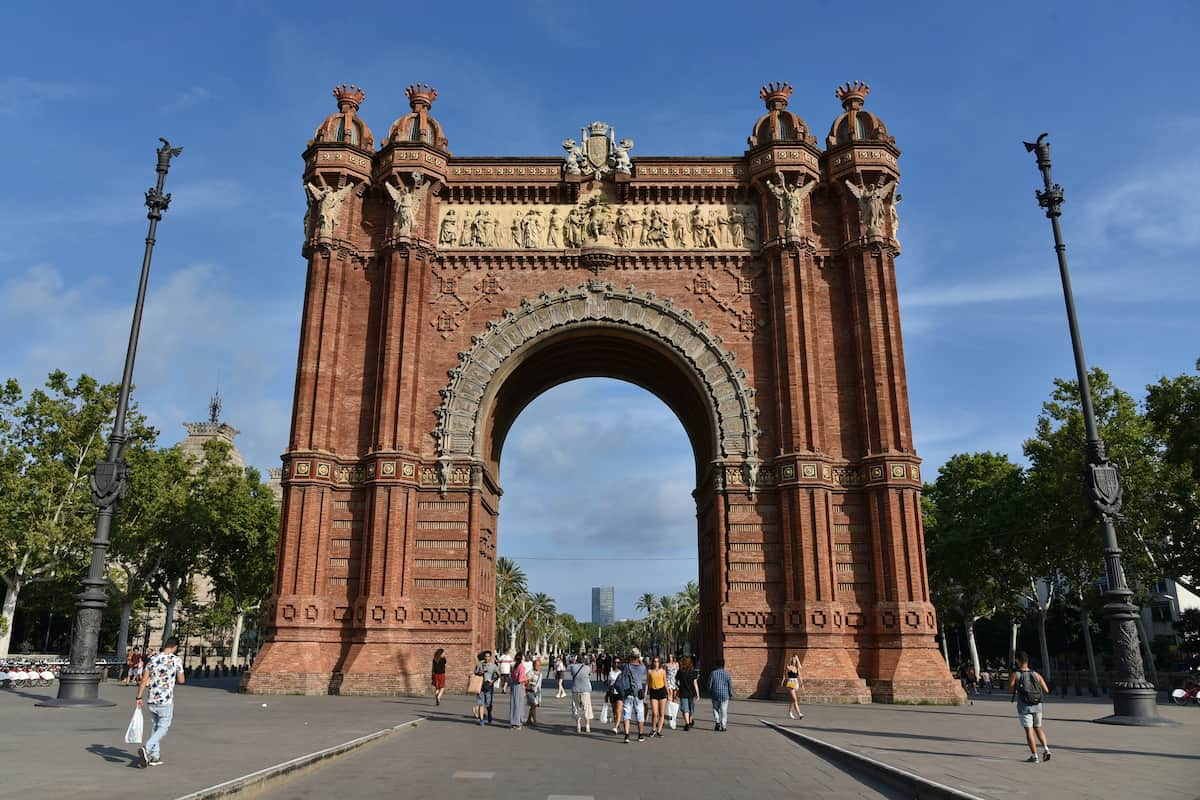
(601, 350)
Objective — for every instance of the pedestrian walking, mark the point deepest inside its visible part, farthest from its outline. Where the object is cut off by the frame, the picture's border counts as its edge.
(972, 680)
(489, 673)
(439, 675)
(516, 695)
(632, 685)
(1027, 688)
(720, 689)
(139, 665)
(672, 677)
(506, 662)
(133, 666)
(560, 675)
(656, 685)
(581, 693)
(689, 691)
(533, 691)
(985, 680)
(157, 687)
(613, 696)
(792, 682)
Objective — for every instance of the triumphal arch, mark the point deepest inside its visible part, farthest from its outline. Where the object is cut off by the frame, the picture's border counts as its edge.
(755, 294)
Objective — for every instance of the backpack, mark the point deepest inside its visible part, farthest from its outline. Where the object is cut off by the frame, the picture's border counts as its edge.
(1028, 688)
(624, 682)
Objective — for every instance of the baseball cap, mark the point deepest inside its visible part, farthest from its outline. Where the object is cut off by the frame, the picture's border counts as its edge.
(635, 653)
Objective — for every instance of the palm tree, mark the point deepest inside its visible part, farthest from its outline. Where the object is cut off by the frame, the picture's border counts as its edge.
(647, 603)
(511, 594)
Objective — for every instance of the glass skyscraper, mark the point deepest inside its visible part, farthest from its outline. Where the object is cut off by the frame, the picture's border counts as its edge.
(602, 605)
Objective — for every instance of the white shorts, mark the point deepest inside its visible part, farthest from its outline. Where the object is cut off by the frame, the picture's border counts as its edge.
(1031, 716)
(635, 710)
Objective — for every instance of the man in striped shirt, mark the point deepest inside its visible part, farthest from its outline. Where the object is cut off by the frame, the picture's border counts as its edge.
(720, 689)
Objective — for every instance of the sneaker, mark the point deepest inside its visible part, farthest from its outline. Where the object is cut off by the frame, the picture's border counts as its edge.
(481, 723)
(156, 762)
(1046, 756)
(1032, 759)
(641, 738)
(800, 717)
(144, 756)
(717, 727)
(791, 714)
(626, 738)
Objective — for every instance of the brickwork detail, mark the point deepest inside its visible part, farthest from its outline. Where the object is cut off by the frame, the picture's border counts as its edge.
(751, 292)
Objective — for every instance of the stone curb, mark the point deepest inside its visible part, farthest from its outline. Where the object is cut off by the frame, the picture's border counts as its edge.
(909, 782)
(258, 781)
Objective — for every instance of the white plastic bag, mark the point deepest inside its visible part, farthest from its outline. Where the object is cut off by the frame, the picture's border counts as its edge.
(604, 709)
(672, 713)
(133, 734)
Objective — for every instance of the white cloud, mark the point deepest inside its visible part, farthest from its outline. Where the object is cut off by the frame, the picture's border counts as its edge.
(186, 99)
(1157, 206)
(18, 94)
(196, 329)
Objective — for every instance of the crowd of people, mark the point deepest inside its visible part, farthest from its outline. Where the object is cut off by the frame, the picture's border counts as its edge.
(653, 694)
(647, 694)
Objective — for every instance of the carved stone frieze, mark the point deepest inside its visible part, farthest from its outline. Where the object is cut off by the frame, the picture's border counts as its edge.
(545, 226)
(730, 400)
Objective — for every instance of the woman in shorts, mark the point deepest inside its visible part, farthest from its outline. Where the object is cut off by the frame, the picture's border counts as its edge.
(439, 675)
(792, 682)
(688, 680)
(533, 692)
(560, 674)
(613, 696)
(672, 683)
(656, 689)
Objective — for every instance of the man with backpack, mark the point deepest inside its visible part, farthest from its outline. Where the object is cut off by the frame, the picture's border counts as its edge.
(631, 684)
(1028, 688)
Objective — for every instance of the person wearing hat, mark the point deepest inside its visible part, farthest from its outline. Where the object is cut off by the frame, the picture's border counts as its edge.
(633, 690)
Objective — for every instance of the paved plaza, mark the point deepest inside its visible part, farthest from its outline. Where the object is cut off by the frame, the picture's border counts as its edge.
(219, 735)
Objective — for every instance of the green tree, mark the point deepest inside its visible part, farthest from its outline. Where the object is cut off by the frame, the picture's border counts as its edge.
(237, 513)
(1173, 411)
(49, 443)
(971, 513)
(512, 594)
(1063, 524)
(160, 482)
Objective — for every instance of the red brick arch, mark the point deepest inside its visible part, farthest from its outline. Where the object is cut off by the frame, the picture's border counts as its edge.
(446, 292)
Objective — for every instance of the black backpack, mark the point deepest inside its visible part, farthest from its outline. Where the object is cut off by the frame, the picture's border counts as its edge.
(1029, 689)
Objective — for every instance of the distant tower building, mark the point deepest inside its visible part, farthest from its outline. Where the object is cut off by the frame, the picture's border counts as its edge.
(201, 432)
(602, 605)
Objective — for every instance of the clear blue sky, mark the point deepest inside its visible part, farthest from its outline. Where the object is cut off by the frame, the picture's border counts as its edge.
(86, 89)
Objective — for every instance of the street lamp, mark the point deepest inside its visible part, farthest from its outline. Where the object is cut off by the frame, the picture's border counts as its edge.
(1133, 696)
(79, 683)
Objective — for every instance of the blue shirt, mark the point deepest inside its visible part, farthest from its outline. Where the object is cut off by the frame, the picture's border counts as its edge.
(720, 685)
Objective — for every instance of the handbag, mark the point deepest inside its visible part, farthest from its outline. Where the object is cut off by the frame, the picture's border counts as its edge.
(475, 684)
(672, 713)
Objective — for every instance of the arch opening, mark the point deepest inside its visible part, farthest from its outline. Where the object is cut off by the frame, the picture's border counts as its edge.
(598, 492)
(599, 350)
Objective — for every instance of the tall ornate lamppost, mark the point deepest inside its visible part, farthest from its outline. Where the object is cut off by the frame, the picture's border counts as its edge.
(1133, 696)
(79, 683)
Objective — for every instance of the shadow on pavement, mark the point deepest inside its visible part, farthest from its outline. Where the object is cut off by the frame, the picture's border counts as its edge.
(229, 684)
(37, 698)
(114, 755)
(1015, 740)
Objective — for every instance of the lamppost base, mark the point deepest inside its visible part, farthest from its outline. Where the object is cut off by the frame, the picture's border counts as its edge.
(1136, 707)
(78, 689)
